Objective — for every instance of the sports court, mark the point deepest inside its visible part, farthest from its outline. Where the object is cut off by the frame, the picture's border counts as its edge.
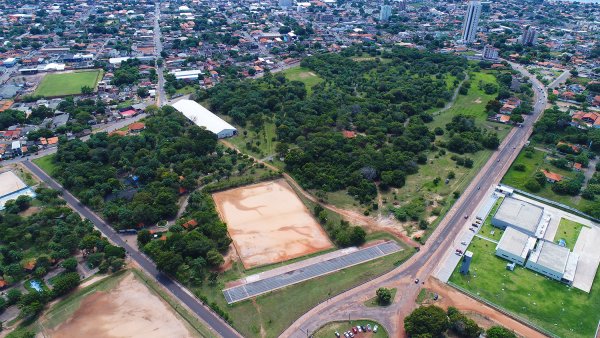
(269, 223)
(258, 287)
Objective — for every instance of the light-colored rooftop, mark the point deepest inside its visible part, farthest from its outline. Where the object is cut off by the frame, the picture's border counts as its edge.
(201, 116)
(520, 214)
(516, 242)
(551, 256)
(9, 183)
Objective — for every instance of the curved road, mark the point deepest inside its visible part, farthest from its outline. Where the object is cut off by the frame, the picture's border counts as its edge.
(212, 320)
(422, 265)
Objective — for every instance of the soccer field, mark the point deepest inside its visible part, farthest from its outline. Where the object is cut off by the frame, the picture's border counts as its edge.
(67, 83)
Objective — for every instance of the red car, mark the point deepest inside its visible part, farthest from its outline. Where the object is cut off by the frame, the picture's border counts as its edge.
(354, 330)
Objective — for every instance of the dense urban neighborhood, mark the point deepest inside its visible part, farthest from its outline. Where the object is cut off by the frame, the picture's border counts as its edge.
(281, 168)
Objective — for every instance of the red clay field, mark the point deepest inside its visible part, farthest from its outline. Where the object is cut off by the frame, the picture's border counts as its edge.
(269, 223)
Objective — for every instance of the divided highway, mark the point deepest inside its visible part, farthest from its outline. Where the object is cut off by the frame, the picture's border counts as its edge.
(211, 319)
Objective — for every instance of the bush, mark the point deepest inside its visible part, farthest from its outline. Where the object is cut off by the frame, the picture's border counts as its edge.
(532, 185)
(500, 332)
(520, 167)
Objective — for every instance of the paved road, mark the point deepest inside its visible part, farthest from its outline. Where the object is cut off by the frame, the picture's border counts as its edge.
(423, 264)
(161, 96)
(211, 319)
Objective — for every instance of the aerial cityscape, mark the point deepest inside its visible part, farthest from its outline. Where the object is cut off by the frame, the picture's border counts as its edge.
(290, 168)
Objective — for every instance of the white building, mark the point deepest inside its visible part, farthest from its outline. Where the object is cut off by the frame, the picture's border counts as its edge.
(515, 246)
(202, 117)
(490, 52)
(471, 22)
(521, 215)
(554, 261)
(529, 36)
(187, 74)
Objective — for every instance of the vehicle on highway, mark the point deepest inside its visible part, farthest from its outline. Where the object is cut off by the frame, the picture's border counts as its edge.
(417, 281)
(375, 328)
(466, 216)
(478, 188)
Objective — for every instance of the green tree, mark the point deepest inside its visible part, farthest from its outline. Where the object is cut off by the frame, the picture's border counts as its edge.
(64, 283)
(384, 296)
(500, 332)
(463, 326)
(426, 320)
(87, 90)
(144, 237)
(69, 264)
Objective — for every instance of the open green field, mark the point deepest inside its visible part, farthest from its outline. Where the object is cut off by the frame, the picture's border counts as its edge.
(556, 307)
(305, 75)
(67, 83)
(533, 163)
(569, 231)
(45, 163)
(329, 329)
(274, 312)
(258, 143)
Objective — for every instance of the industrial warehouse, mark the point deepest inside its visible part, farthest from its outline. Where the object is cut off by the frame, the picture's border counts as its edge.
(202, 117)
(523, 241)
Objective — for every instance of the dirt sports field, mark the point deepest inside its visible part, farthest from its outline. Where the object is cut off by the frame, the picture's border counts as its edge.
(269, 223)
(128, 310)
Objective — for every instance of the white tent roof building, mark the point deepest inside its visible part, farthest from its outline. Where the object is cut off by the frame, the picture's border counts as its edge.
(202, 117)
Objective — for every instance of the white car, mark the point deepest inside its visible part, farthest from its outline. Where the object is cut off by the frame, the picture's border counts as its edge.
(375, 328)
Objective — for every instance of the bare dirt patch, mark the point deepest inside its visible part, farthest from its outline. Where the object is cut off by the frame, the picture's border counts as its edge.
(129, 310)
(269, 223)
(478, 100)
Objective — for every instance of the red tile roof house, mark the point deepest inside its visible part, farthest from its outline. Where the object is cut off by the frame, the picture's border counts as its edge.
(552, 177)
(589, 119)
(577, 166)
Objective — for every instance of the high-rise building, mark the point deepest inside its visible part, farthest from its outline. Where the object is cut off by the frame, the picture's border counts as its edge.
(489, 52)
(385, 12)
(471, 21)
(286, 3)
(529, 36)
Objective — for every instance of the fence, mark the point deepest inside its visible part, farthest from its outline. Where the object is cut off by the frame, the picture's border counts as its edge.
(503, 311)
(556, 204)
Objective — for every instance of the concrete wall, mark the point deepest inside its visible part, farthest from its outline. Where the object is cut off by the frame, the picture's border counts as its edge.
(544, 271)
(508, 256)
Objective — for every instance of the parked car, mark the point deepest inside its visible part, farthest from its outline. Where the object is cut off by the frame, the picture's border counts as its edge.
(337, 334)
(359, 328)
(346, 335)
(364, 328)
(354, 329)
(417, 281)
(369, 327)
(463, 243)
(375, 328)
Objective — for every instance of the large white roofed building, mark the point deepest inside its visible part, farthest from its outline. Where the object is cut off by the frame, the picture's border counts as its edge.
(202, 117)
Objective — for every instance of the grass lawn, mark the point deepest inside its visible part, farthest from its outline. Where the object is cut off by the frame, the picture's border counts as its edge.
(45, 163)
(258, 143)
(305, 75)
(373, 301)
(533, 164)
(487, 229)
(425, 296)
(329, 329)
(274, 312)
(569, 231)
(556, 307)
(67, 83)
